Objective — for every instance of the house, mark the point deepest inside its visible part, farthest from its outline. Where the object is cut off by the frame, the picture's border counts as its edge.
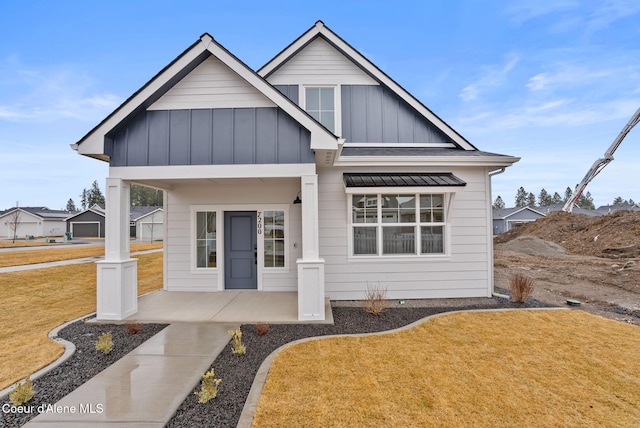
(32, 221)
(89, 223)
(505, 219)
(317, 174)
(147, 223)
(608, 209)
(576, 210)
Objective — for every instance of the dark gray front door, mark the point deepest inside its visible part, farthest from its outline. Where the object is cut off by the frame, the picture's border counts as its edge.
(240, 250)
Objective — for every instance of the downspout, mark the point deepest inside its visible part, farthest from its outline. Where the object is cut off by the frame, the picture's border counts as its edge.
(493, 286)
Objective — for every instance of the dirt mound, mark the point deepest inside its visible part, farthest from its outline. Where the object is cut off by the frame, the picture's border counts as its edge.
(615, 235)
(534, 246)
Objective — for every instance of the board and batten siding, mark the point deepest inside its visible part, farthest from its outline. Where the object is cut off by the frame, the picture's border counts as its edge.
(210, 137)
(211, 85)
(465, 273)
(374, 114)
(319, 63)
(239, 195)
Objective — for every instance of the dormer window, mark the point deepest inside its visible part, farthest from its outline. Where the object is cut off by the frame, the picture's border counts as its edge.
(320, 103)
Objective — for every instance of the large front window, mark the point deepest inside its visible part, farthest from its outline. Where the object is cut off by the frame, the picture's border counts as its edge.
(320, 104)
(393, 224)
(206, 240)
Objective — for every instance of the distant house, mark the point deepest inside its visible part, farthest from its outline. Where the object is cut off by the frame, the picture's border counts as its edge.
(608, 209)
(506, 219)
(89, 223)
(576, 210)
(33, 221)
(316, 174)
(147, 223)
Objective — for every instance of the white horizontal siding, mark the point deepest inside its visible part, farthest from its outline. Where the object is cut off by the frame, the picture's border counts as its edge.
(211, 85)
(465, 272)
(180, 274)
(319, 63)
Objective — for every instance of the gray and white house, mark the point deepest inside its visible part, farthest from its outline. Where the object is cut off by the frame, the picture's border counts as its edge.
(315, 174)
(32, 221)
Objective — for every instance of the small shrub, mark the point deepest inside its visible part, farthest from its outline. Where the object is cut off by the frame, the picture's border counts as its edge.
(262, 329)
(105, 343)
(520, 288)
(208, 387)
(22, 393)
(133, 327)
(375, 299)
(237, 347)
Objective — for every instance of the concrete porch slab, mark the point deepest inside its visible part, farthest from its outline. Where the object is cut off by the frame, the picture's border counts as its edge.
(240, 307)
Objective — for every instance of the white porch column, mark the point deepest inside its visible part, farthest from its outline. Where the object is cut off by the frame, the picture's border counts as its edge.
(310, 266)
(117, 295)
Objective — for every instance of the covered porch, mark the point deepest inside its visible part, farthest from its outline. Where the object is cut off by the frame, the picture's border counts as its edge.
(200, 254)
(245, 307)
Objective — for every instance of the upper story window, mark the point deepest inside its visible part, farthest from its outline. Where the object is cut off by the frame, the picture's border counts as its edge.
(320, 103)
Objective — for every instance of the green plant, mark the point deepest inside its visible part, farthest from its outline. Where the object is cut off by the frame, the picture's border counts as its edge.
(375, 299)
(262, 329)
(22, 393)
(520, 288)
(237, 347)
(208, 387)
(133, 327)
(105, 343)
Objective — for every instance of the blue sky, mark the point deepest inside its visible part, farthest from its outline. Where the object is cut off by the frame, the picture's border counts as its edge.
(552, 82)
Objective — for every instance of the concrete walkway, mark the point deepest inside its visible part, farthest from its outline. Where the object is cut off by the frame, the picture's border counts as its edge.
(144, 388)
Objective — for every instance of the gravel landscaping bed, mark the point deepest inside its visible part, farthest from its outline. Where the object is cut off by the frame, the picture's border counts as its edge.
(237, 372)
(85, 363)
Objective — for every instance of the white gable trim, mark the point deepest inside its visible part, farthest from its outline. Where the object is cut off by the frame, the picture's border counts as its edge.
(319, 29)
(93, 143)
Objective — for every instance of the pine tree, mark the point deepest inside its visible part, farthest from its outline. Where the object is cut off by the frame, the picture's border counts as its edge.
(618, 201)
(544, 199)
(556, 198)
(567, 194)
(95, 195)
(84, 199)
(586, 201)
(498, 203)
(521, 197)
(531, 200)
(71, 206)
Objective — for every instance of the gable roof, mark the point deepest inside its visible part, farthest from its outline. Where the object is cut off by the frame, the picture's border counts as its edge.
(43, 213)
(136, 213)
(321, 30)
(92, 144)
(504, 213)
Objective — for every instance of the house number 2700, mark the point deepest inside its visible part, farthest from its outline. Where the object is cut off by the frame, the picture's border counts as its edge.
(259, 223)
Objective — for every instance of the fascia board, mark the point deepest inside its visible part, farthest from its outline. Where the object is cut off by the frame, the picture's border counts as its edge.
(502, 161)
(321, 138)
(290, 50)
(147, 214)
(93, 143)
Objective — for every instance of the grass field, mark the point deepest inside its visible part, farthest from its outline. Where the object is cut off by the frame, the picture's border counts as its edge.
(54, 254)
(491, 369)
(36, 301)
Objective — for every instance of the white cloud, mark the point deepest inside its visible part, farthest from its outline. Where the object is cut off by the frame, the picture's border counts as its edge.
(491, 77)
(524, 10)
(48, 94)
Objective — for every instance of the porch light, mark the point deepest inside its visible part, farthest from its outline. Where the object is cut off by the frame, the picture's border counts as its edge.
(297, 200)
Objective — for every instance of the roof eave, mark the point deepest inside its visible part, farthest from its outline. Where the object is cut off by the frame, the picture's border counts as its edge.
(485, 161)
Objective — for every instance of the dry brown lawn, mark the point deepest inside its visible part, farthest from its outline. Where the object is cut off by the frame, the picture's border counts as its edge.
(488, 369)
(27, 257)
(36, 301)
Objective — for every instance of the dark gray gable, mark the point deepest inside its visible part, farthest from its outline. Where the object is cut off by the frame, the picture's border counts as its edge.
(265, 135)
(374, 114)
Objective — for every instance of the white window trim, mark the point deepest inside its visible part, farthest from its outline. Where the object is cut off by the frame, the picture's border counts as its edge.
(337, 105)
(448, 202)
(219, 269)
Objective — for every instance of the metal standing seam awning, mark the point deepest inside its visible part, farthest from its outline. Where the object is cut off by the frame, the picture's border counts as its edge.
(402, 180)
